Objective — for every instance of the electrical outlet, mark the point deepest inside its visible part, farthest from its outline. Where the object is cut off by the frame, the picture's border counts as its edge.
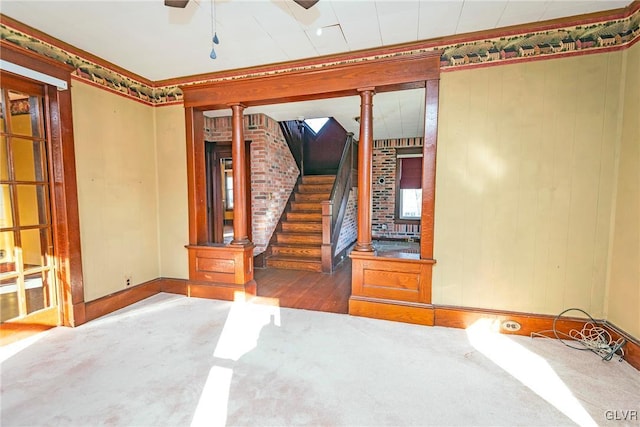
(127, 280)
(510, 325)
(3, 253)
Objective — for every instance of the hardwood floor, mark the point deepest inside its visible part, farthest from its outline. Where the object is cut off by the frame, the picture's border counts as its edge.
(307, 289)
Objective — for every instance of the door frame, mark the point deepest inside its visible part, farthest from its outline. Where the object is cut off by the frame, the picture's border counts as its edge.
(63, 184)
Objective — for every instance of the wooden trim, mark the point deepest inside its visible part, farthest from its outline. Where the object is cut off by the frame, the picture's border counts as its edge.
(196, 182)
(354, 56)
(400, 151)
(387, 74)
(463, 317)
(608, 15)
(62, 176)
(429, 169)
(116, 301)
(631, 348)
(419, 314)
(26, 58)
(195, 289)
(17, 25)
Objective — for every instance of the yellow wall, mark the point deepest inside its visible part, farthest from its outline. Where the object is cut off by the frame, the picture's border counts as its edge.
(624, 284)
(526, 209)
(525, 184)
(173, 207)
(117, 189)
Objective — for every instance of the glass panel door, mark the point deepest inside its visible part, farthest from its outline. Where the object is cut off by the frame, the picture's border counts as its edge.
(27, 279)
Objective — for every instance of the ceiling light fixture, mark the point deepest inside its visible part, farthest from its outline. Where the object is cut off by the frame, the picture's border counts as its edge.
(214, 33)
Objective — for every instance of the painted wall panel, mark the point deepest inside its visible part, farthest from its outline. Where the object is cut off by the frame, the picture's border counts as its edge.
(117, 193)
(624, 281)
(524, 184)
(173, 209)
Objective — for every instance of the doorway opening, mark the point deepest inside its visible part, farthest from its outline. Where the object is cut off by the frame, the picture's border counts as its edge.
(219, 182)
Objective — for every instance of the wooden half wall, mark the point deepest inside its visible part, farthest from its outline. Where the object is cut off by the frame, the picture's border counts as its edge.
(343, 77)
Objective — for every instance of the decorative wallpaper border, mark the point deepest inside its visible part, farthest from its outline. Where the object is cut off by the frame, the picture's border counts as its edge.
(590, 37)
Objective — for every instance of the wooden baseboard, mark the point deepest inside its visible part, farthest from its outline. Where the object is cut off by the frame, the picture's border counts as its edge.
(416, 313)
(260, 260)
(463, 317)
(221, 291)
(110, 303)
(632, 346)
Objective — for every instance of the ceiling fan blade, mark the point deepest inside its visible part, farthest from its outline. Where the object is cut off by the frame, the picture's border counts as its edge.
(306, 3)
(176, 3)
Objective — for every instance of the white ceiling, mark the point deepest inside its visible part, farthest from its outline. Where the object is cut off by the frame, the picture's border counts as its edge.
(159, 42)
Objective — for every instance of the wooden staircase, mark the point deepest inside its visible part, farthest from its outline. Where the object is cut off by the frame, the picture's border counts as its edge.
(298, 244)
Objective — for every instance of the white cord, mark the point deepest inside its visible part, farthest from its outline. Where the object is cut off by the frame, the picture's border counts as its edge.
(590, 337)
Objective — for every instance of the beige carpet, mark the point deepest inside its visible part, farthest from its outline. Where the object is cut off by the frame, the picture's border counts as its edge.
(177, 361)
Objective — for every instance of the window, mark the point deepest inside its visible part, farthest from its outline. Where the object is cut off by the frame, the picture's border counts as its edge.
(408, 185)
(316, 124)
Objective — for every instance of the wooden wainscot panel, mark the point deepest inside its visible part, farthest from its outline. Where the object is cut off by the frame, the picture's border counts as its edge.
(382, 283)
(391, 288)
(204, 264)
(220, 271)
(391, 278)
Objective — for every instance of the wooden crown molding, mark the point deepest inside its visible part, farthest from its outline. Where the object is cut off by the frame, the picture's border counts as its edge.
(462, 51)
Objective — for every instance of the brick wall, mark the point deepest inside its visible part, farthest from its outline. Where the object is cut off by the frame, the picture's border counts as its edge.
(349, 230)
(273, 170)
(384, 194)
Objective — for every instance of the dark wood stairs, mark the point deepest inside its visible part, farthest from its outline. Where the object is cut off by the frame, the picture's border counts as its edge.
(298, 244)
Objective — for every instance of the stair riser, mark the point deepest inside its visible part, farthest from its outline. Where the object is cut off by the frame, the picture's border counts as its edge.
(303, 216)
(315, 188)
(302, 227)
(297, 238)
(296, 252)
(318, 179)
(295, 265)
(306, 206)
(312, 197)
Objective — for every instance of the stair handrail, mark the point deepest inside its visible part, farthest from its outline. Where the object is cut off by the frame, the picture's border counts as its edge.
(334, 209)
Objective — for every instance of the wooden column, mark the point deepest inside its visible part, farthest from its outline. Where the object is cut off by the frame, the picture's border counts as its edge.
(238, 154)
(365, 158)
